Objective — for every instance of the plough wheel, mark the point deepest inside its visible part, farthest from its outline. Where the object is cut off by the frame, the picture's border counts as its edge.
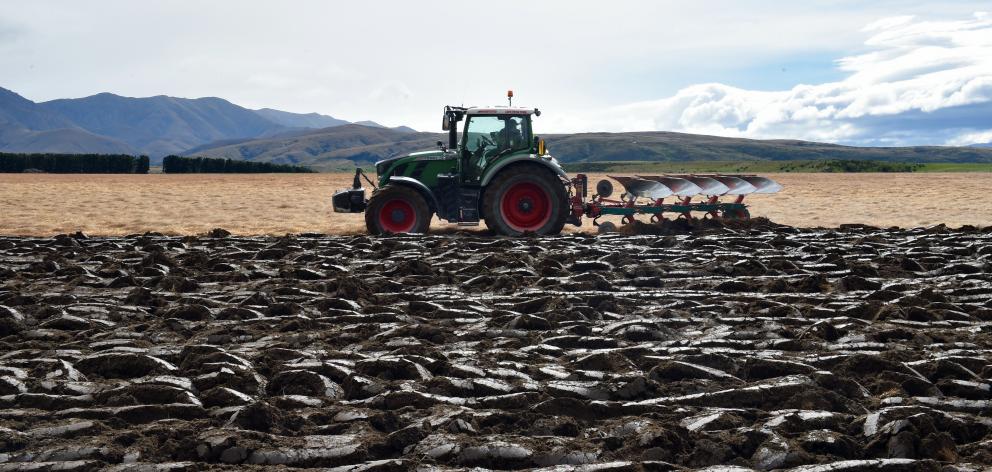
(741, 214)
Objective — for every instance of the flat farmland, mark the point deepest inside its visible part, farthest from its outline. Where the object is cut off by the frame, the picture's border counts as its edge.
(275, 204)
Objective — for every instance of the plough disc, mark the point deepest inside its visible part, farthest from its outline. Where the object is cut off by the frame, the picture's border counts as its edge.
(763, 184)
(707, 185)
(641, 188)
(680, 187)
(735, 185)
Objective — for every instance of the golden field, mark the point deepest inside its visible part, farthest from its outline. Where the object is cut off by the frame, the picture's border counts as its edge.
(48, 204)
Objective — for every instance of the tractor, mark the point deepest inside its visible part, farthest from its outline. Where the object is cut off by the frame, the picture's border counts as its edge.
(499, 172)
(496, 171)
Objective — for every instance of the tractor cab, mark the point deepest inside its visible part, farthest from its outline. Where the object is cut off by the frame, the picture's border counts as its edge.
(488, 135)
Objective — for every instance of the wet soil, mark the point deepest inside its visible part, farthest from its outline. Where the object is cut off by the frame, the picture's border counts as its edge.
(749, 346)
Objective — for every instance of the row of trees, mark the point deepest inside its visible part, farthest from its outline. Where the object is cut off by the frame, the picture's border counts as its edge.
(196, 165)
(74, 163)
(867, 166)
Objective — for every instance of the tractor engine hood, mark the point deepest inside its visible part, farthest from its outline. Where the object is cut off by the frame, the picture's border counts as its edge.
(384, 165)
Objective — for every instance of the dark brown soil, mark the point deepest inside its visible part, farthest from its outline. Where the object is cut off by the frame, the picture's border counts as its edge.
(752, 345)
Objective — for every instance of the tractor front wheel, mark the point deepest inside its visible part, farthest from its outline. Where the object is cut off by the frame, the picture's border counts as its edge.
(397, 209)
(526, 199)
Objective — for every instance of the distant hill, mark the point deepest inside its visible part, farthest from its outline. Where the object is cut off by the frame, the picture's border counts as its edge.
(17, 111)
(62, 141)
(26, 126)
(299, 120)
(673, 147)
(155, 126)
(405, 129)
(985, 145)
(351, 145)
(328, 148)
(161, 125)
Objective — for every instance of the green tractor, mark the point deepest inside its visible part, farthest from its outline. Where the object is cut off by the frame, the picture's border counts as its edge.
(496, 171)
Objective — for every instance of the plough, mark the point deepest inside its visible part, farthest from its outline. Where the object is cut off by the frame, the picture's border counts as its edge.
(646, 195)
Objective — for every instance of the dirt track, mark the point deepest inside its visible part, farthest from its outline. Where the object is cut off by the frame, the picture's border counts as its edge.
(765, 348)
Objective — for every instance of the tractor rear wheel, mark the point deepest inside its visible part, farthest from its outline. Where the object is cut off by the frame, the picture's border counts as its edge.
(525, 199)
(397, 209)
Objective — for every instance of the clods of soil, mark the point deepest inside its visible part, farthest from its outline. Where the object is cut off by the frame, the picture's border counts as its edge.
(751, 347)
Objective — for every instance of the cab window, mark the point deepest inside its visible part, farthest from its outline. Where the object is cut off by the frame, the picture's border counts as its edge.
(492, 135)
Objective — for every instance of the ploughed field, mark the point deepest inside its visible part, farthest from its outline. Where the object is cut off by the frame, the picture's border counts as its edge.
(765, 347)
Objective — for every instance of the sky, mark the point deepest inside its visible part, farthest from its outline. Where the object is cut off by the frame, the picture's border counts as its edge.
(852, 72)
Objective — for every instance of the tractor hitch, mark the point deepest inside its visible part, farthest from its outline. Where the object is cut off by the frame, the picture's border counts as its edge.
(579, 189)
(351, 200)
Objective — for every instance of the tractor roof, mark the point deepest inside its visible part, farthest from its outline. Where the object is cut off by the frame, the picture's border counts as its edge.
(500, 111)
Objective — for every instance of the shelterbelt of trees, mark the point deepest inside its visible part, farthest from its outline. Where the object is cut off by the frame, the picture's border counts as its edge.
(206, 165)
(74, 163)
(51, 163)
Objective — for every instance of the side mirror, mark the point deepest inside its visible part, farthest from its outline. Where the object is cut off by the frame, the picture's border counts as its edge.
(446, 122)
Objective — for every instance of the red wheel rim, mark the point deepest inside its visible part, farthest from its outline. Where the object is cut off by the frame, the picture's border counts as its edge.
(526, 206)
(397, 216)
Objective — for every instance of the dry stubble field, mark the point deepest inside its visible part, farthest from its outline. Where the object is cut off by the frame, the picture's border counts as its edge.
(48, 204)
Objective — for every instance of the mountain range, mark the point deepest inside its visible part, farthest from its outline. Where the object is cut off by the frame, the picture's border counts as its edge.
(155, 126)
(344, 147)
(214, 127)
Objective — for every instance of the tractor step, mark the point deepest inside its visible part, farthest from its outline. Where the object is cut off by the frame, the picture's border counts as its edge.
(468, 206)
(457, 203)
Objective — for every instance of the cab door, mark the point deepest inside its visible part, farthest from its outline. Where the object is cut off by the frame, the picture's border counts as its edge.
(489, 137)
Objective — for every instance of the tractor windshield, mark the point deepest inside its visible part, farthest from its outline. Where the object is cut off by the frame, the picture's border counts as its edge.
(488, 136)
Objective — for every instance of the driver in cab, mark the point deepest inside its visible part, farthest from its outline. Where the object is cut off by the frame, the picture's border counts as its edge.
(510, 137)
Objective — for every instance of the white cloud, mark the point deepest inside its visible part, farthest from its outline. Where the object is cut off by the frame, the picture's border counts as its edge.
(972, 138)
(921, 82)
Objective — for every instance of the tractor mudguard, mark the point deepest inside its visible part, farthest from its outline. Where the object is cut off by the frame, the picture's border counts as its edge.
(546, 162)
(418, 186)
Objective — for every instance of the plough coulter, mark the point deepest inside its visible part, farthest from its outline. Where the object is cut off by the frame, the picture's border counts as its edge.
(497, 170)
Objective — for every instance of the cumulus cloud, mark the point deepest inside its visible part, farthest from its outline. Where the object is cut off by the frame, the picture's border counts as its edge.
(920, 82)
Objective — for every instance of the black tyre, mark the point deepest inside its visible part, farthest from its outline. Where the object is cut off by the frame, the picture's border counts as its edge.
(397, 209)
(525, 199)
